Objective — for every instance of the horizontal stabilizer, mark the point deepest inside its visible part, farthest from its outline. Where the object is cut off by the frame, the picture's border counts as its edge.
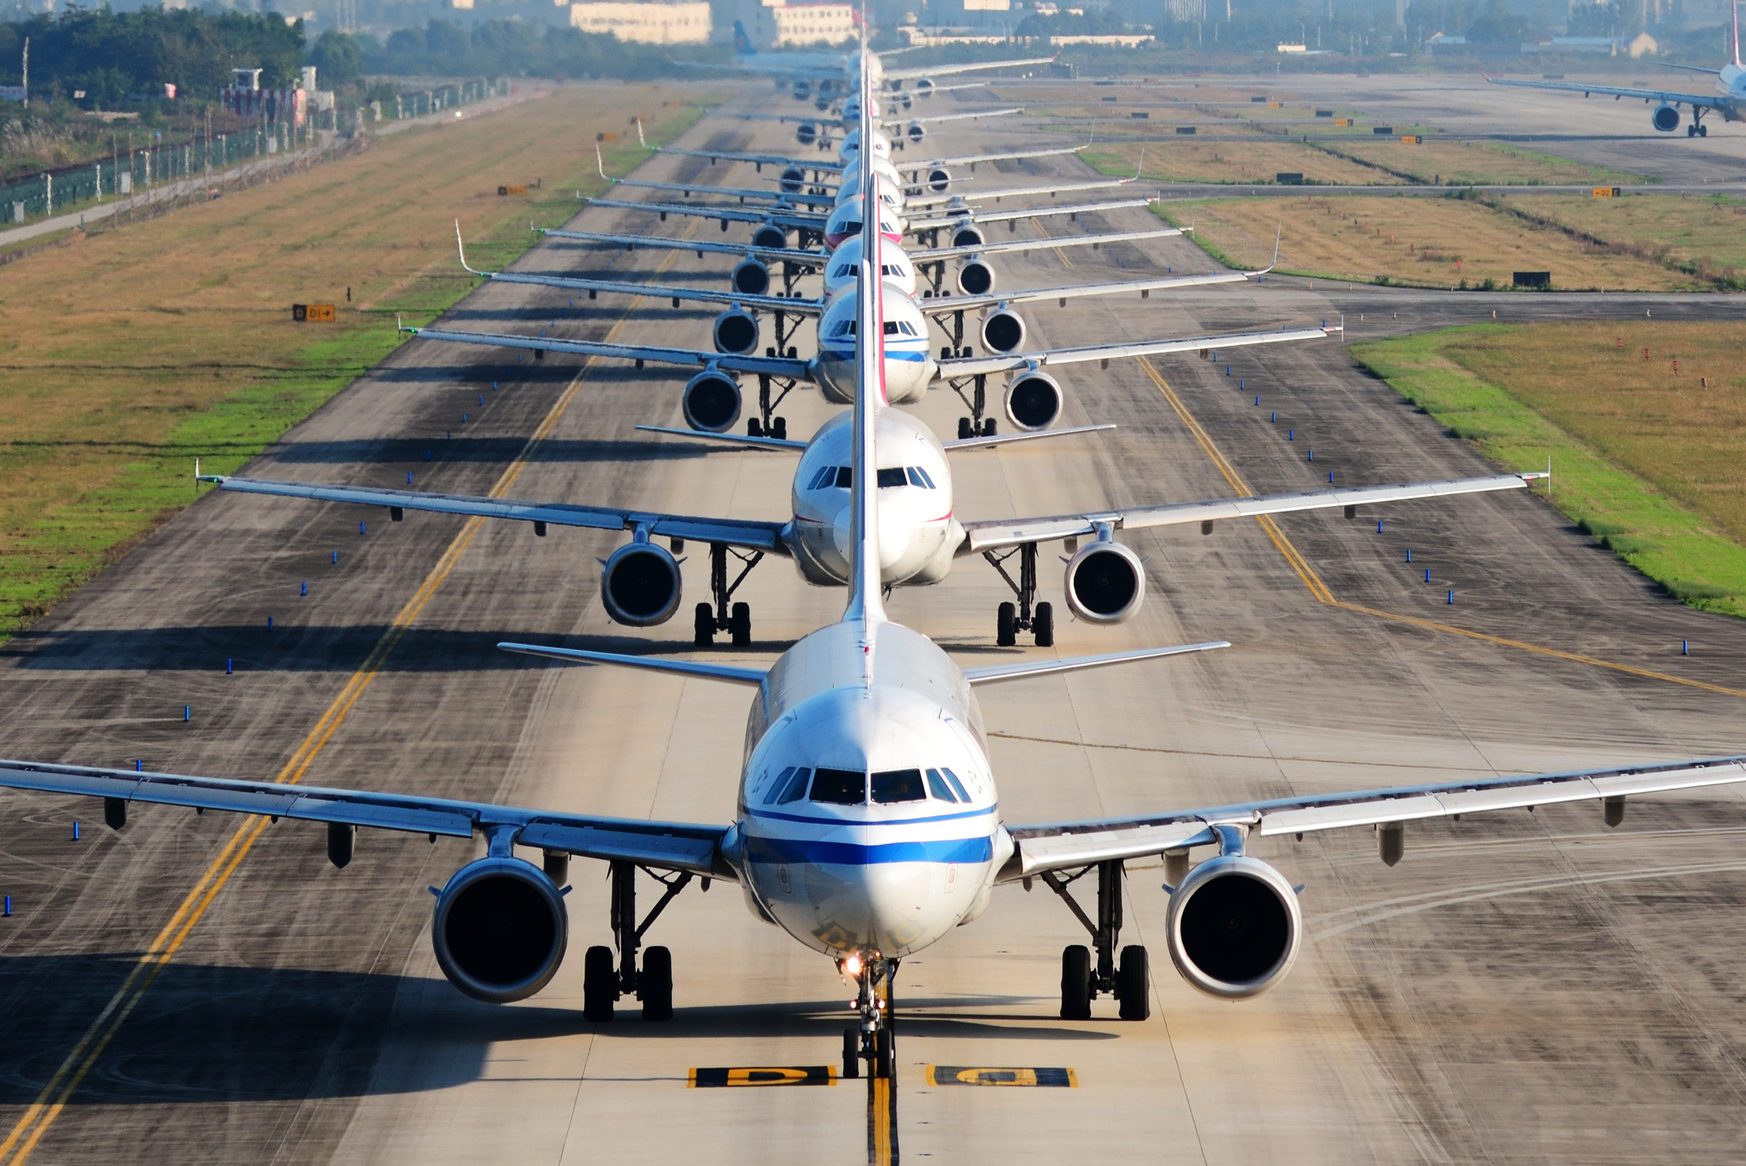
(999, 672)
(720, 672)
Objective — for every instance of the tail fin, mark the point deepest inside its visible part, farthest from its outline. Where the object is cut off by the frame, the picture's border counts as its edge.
(1734, 21)
(865, 577)
(742, 40)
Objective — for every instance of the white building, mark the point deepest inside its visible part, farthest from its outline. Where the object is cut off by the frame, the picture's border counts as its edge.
(656, 23)
(774, 24)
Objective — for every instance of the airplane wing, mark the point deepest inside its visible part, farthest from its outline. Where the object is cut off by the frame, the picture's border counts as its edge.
(973, 159)
(673, 846)
(934, 118)
(1009, 246)
(747, 535)
(995, 534)
(931, 201)
(698, 247)
(777, 366)
(687, 190)
(721, 212)
(948, 70)
(1068, 845)
(952, 218)
(1668, 96)
(785, 443)
(964, 366)
(942, 304)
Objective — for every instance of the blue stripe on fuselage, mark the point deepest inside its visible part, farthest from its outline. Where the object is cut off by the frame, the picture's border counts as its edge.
(796, 850)
(845, 355)
(817, 820)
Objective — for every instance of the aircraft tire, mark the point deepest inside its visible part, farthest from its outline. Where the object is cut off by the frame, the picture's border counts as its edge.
(599, 985)
(740, 625)
(655, 985)
(1076, 982)
(1133, 989)
(1043, 627)
(1005, 629)
(851, 1054)
(703, 625)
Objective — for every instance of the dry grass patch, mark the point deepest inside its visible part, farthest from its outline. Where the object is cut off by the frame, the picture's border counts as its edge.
(1240, 162)
(1645, 458)
(1704, 235)
(1425, 242)
(1480, 163)
(130, 352)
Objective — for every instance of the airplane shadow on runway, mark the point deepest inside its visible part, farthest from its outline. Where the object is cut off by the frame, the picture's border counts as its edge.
(411, 450)
(213, 1034)
(557, 369)
(597, 312)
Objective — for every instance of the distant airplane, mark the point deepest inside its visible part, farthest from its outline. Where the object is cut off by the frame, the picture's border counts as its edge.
(1728, 101)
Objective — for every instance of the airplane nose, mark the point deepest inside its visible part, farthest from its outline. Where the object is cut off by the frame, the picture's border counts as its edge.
(894, 535)
(896, 897)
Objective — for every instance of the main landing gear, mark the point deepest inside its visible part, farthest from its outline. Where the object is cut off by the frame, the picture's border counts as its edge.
(975, 425)
(871, 1038)
(766, 424)
(718, 615)
(1011, 619)
(603, 983)
(1082, 980)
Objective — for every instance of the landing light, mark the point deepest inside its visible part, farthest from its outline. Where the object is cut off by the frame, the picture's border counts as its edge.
(850, 965)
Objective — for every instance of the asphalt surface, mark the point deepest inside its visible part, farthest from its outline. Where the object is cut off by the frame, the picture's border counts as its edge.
(1520, 988)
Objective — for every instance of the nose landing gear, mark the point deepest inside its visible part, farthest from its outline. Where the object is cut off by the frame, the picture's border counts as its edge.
(871, 1038)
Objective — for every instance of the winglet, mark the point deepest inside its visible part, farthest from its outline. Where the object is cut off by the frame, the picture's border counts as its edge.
(1734, 22)
(462, 249)
(599, 164)
(641, 141)
(1278, 233)
(1140, 166)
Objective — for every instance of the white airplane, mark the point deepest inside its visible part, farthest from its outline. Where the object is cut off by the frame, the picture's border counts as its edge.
(868, 825)
(1728, 100)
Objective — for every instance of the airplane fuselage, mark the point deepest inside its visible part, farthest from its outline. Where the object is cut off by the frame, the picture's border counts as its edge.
(909, 367)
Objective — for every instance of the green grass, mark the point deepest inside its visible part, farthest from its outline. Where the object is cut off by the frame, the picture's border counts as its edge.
(1672, 544)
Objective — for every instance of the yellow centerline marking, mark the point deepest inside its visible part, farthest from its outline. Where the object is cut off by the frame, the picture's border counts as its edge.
(1324, 595)
(47, 1107)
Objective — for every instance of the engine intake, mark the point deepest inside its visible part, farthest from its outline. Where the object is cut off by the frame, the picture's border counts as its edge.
(792, 179)
(1003, 330)
(751, 278)
(975, 278)
(1665, 118)
(639, 585)
(711, 402)
(770, 236)
(916, 132)
(802, 89)
(967, 235)
(736, 331)
(1033, 400)
(806, 133)
(1105, 582)
(500, 929)
(939, 179)
(924, 87)
(1234, 927)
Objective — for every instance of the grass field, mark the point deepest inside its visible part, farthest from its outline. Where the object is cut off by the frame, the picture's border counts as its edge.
(1644, 458)
(1479, 163)
(1254, 161)
(1704, 235)
(1424, 242)
(129, 353)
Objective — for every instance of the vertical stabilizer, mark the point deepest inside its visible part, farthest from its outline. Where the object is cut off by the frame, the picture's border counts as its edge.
(865, 603)
(1734, 32)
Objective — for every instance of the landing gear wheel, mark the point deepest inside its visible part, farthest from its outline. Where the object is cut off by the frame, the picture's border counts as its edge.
(882, 1056)
(965, 431)
(1043, 625)
(988, 427)
(599, 985)
(703, 625)
(754, 427)
(1005, 629)
(1132, 987)
(655, 985)
(779, 428)
(1076, 982)
(851, 1053)
(1703, 131)
(740, 625)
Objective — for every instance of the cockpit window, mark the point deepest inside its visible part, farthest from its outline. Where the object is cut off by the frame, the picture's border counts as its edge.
(845, 477)
(938, 787)
(919, 477)
(839, 787)
(898, 785)
(892, 476)
(826, 476)
(957, 786)
(844, 328)
(790, 785)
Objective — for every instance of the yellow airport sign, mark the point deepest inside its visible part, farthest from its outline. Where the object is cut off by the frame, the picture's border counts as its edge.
(754, 1076)
(1606, 192)
(1342, 121)
(506, 191)
(312, 313)
(1411, 139)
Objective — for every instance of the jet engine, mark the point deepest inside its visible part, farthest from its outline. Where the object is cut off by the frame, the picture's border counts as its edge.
(1033, 401)
(924, 87)
(904, 102)
(916, 131)
(711, 401)
(1665, 118)
(967, 235)
(806, 133)
(792, 179)
(736, 331)
(939, 179)
(639, 585)
(802, 89)
(500, 929)
(975, 277)
(1003, 330)
(1105, 582)
(770, 236)
(750, 278)
(1234, 927)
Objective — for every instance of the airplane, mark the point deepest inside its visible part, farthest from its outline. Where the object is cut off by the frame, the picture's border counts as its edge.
(1728, 101)
(868, 825)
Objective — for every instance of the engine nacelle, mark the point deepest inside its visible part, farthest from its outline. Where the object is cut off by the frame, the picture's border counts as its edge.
(967, 235)
(770, 236)
(711, 401)
(736, 331)
(750, 278)
(1106, 582)
(916, 131)
(1665, 118)
(500, 929)
(792, 179)
(1033, 401)
(639, 585)
(1234, 927)
(975, 277)
(904, 102)
(924, 87)
(1003, 330)
(802, 89)
(806, 133)
(939, 179)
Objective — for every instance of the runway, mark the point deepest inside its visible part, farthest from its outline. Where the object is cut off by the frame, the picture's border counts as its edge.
(1520, 988)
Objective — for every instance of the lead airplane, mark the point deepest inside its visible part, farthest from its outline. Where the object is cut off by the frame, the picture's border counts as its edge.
(867, 824)
(1727, 100)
